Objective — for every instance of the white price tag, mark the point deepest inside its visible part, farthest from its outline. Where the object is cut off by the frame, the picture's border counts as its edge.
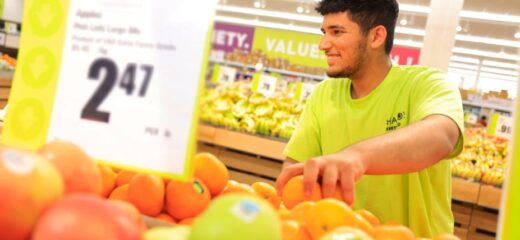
(472, 118)
(306, 90)
(504, 127)
(227, 75)
(267, 85)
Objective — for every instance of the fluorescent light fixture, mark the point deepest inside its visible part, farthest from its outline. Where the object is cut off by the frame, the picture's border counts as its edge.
(485, 75)
(492, 17)
(408, 43)
(267, 13)
(490, 41)
(485, 53)
(463, 66)
(462, 71)
(499, 71)
(414, 8)
(267, 24)
(410, 31)
(456, 58)
(501, 64)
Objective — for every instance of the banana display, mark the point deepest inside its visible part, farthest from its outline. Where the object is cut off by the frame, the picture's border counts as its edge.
(236, 107)
(483, 158)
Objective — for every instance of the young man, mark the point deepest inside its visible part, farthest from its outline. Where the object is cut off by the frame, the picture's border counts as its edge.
(378, 130)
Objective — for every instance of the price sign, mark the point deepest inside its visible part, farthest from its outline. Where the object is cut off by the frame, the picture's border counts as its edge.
(303, 90)
(265, 84)
(501, 126)
(471, 118)
(120, 78)
(223, 74)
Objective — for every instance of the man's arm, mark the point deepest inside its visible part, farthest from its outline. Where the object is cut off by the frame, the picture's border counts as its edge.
(405, 150)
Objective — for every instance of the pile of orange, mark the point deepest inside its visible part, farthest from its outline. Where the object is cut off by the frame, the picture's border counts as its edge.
(131, 194)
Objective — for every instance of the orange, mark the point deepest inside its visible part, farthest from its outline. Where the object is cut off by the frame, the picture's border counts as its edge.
(29, 185)
(131, 212)
(291, 230)
(236, 187)
(146, 192)
(268, 192)
(299, 211)
(186, 199)
(124, 177)
(370, 217)
(292, 193)
(210, 170)
(78, 170)
(363, 224)
(327, 215)
(283, 212)
(393, 233)
(166, 217)
(108, 177)
(188, 221)
(120, 193)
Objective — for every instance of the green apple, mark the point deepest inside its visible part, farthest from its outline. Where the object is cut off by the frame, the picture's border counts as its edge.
(179, 232)
(237, 217)
(346, 233)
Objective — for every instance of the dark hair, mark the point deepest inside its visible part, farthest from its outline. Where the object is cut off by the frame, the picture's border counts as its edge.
(367, 14)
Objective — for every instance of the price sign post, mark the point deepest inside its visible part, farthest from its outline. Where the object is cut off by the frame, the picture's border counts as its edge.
(120, 78)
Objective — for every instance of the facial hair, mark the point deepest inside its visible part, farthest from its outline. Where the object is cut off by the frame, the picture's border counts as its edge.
(358, 62)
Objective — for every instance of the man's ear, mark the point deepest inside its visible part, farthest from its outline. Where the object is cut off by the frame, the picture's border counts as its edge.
(377, 37)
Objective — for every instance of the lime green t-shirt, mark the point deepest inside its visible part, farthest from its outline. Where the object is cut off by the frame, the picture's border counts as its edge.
(332, 121)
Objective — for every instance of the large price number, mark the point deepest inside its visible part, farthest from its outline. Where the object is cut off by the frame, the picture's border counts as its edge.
(127, 82)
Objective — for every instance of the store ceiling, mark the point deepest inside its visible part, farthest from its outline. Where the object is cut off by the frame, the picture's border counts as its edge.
(495, 38)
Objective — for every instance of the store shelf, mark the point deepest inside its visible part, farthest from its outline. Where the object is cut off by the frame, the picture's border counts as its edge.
(465, 190)
(489, 197)
(487, 105)
(249, 143)
(273, 70)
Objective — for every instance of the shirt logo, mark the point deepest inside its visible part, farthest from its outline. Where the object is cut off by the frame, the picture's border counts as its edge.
(394, 122)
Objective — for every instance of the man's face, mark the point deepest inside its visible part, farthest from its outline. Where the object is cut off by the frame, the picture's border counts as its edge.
(344, 44)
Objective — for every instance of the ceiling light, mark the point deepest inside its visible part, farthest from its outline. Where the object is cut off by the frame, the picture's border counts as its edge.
(493, 17)
(267, 24)
(413, 8)
(408, 43)
(273, 14)
(486, 40)
(463, 66)
(458, 28)
(257, 4)
(410, 31)
(464, 59)
(497, 77)
(501, 64)
(299, 9)
(485, 53)
(403, 22)
(517, 35)
(499, 71)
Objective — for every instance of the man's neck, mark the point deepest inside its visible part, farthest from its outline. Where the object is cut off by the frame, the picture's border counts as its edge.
(369, 78)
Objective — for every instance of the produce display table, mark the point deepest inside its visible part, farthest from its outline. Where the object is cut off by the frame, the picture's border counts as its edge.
(251, 158)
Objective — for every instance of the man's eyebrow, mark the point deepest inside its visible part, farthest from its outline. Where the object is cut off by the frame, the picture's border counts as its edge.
(332, 27)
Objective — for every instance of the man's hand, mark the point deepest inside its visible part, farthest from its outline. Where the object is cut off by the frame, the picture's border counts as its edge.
(345, 167)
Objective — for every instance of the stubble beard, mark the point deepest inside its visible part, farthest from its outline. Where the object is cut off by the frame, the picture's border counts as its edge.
(353, 69)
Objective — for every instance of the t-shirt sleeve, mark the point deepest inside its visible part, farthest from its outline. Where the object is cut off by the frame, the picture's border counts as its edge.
(305, 140)
(433, 95)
